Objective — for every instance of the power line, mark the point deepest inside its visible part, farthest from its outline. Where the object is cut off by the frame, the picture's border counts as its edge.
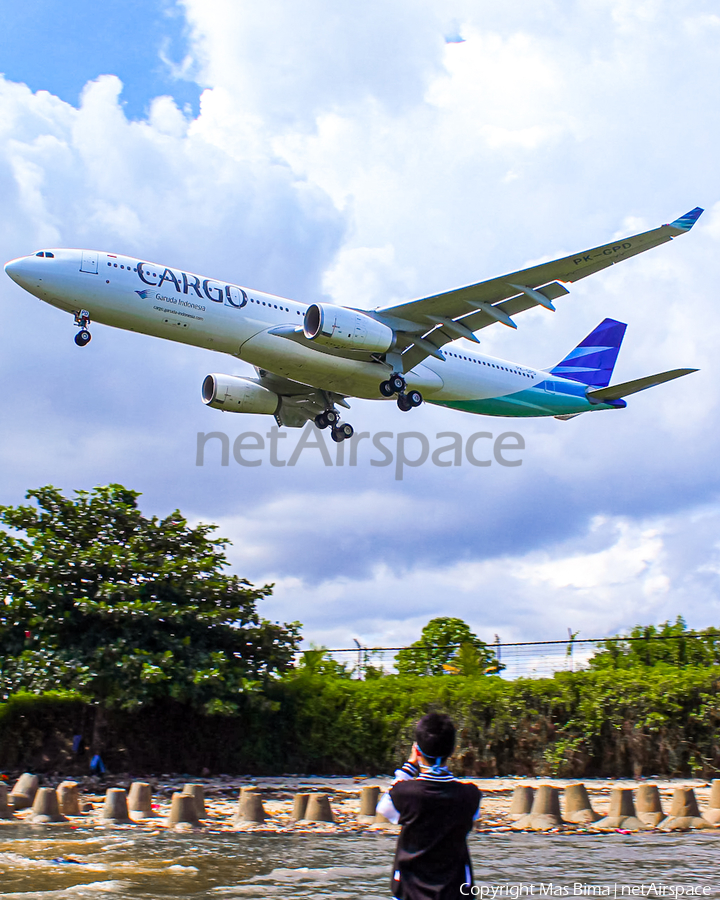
(715, 635)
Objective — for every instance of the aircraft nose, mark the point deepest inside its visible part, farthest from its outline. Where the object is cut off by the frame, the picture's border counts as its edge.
(19, 270)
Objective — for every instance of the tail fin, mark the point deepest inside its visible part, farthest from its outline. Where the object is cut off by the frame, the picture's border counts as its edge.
(593, 360)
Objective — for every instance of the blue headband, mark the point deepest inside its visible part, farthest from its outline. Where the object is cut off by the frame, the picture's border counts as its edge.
(437, 767)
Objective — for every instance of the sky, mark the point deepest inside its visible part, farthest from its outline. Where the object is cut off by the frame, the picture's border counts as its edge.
(366, 154)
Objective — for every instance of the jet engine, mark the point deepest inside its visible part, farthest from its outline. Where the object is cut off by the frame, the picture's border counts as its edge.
(235, 394)
(346, 329)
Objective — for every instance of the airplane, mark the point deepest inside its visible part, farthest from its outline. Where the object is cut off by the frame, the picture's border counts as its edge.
(310, 358)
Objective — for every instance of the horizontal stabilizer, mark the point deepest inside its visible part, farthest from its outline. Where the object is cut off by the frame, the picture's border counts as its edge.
(617, 391)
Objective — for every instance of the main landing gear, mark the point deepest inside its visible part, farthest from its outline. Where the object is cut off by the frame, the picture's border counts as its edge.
(83, 337)
(396, 385)
(340, 432)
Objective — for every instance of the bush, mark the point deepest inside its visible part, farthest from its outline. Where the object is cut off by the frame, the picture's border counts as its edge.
(647, 721)
(671, 643)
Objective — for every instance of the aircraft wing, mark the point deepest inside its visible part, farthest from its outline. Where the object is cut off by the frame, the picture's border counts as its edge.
(424, 326)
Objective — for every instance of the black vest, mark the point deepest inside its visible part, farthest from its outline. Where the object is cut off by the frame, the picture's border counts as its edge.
(432, 856)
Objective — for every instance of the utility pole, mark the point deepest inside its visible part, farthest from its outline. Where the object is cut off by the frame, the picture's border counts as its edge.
(360, 658)
(570, 647)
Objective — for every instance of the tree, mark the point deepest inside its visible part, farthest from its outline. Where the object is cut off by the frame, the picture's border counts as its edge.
(127, 609)
(670, 644)
(317, 661)
(447, 646)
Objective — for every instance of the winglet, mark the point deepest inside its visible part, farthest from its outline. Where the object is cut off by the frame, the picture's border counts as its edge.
(686, 222)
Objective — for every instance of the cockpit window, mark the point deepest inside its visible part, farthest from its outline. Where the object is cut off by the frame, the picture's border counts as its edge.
(46, 253)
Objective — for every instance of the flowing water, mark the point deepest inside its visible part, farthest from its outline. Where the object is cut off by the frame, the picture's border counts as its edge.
(84, 864)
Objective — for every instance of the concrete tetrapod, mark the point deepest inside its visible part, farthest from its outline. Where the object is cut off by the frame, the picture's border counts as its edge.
(522, 801)
(380, 819)
(684, 812)
(300, 802)
(577, 806)
(649, 807)
(712, 813)
(318, 809)
(23, 794)
(115, 808)
(250, 806)
(183, 810)
(45, 807)
(140, 801)
(5, 810)
(69, 798)
(198, 792)
(545, 812)
(622, 812)
(369, 796)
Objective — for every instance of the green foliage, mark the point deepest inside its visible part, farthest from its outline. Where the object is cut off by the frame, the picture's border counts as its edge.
(670, 644)
(447, 646)
(652, 721)
(25, 705)
(38, 727)
(317, 661)
(128, 610)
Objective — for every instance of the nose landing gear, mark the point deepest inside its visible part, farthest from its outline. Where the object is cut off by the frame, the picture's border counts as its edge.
(83, 337)
(340, 431)
(396, 384)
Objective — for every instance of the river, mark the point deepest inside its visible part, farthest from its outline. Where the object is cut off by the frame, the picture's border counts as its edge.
(83, 864)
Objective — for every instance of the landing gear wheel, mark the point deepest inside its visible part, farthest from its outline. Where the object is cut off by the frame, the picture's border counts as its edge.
(83, 338)
(386, 389)
(331, 416)
(321, 420)
(397, 382)
(342, 433)
(415, 398)
(403, 402)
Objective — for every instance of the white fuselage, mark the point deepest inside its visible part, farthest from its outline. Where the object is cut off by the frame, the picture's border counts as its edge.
(169, 303)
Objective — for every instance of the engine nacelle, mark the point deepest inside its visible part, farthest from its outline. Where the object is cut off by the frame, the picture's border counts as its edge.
(235, 394)
(346, 329)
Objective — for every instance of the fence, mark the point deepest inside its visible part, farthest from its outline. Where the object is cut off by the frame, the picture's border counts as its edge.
(526, 659)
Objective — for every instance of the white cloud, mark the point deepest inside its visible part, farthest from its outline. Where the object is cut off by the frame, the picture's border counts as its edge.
(643, 571)
(286, 62)
(367, 277)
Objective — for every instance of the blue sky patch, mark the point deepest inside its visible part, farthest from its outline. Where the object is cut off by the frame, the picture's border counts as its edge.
(59, 47)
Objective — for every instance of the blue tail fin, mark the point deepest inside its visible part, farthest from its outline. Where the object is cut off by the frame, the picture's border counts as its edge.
(593, 360)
